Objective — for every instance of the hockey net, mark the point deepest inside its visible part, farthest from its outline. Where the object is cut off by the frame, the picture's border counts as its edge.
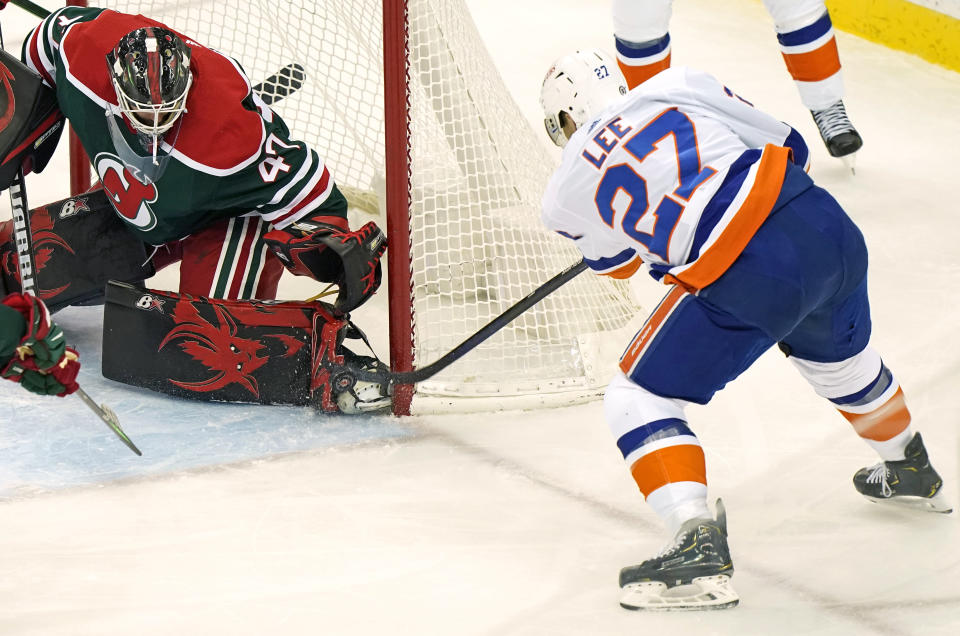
(474, 175)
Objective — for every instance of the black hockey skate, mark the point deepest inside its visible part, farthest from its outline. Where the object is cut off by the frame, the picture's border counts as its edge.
(839, 135)
(691, 574)
(910, 482)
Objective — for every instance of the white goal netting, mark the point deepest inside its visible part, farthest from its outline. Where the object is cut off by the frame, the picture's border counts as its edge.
(477, 173)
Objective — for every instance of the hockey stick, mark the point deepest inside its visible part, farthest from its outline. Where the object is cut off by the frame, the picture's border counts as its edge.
(31, 7)
(284, 82)
(391, 378)
(24, 241)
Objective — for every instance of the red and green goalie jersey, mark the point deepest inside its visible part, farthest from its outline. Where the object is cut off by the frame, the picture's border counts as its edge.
(231, 155)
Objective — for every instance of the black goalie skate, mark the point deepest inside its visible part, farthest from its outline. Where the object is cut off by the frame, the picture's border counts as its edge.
(359, 396)
(839, 135)
(691, 574)
(910, 482)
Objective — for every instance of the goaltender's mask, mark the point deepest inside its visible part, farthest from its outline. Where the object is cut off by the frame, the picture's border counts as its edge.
(150, 71)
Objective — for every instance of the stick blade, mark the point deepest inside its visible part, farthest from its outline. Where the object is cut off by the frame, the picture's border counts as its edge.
(287, 80)
(109, 418)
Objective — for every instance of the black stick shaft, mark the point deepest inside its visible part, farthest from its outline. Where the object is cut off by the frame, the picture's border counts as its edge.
(492, 327)
(31, 7)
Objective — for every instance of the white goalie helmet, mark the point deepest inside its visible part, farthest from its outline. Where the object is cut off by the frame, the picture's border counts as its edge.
(578, 85)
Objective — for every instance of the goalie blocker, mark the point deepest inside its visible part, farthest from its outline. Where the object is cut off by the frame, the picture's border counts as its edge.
(30, 120)
(248, 351)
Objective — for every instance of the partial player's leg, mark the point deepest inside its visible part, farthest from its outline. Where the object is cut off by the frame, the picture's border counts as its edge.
(809, 48)
(868, 395)
(228, 259)
(665, 458)
(686, 351)
(640, 29)
(829, 347)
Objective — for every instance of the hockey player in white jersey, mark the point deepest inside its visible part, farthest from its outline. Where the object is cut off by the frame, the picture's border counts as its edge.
(710, 194)
(807, 43)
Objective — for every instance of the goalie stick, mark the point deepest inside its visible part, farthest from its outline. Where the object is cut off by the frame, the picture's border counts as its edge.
(24, 242)
(24, 245)
(31, 7)
(347, 374)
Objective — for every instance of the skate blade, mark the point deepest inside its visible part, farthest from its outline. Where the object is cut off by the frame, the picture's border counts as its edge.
(937, 503)
(850, 161)
(704, 593)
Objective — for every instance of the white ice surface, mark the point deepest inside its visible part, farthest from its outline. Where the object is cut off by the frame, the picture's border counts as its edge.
(260, 520)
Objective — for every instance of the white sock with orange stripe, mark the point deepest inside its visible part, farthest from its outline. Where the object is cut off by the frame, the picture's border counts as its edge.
(641, 38)
(806, 39)
(664, 456)
(866, 393)
(637, 74)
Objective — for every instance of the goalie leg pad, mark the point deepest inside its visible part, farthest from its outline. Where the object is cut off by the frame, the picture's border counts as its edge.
(248, 351)
(78, 245)
(9, 276)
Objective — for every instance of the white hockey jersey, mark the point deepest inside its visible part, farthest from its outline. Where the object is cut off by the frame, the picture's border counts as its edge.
(678, 174)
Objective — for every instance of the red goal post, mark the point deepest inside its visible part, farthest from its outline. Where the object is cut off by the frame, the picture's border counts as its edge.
(406, 107)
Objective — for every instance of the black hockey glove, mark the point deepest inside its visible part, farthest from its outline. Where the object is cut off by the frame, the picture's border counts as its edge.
(331, 254)
(42, 362)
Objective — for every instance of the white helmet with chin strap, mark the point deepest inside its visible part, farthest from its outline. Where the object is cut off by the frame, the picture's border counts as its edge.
(577, 86)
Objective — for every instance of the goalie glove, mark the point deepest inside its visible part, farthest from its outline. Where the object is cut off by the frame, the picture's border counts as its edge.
(331, 254)
(43, 363)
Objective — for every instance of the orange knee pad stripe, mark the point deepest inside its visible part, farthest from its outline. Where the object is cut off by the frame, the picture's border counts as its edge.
(883, 423)
(636, 75)
(668, 465)
(816, 65)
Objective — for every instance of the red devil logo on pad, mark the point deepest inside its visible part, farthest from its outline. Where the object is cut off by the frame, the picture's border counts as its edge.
(231, 359)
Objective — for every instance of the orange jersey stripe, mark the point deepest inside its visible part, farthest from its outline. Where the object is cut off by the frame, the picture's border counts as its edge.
(642, 339)
(636, 75)
(745, 223)
(883, 423)
(668, 465)
(627, 270)
(815, 65)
